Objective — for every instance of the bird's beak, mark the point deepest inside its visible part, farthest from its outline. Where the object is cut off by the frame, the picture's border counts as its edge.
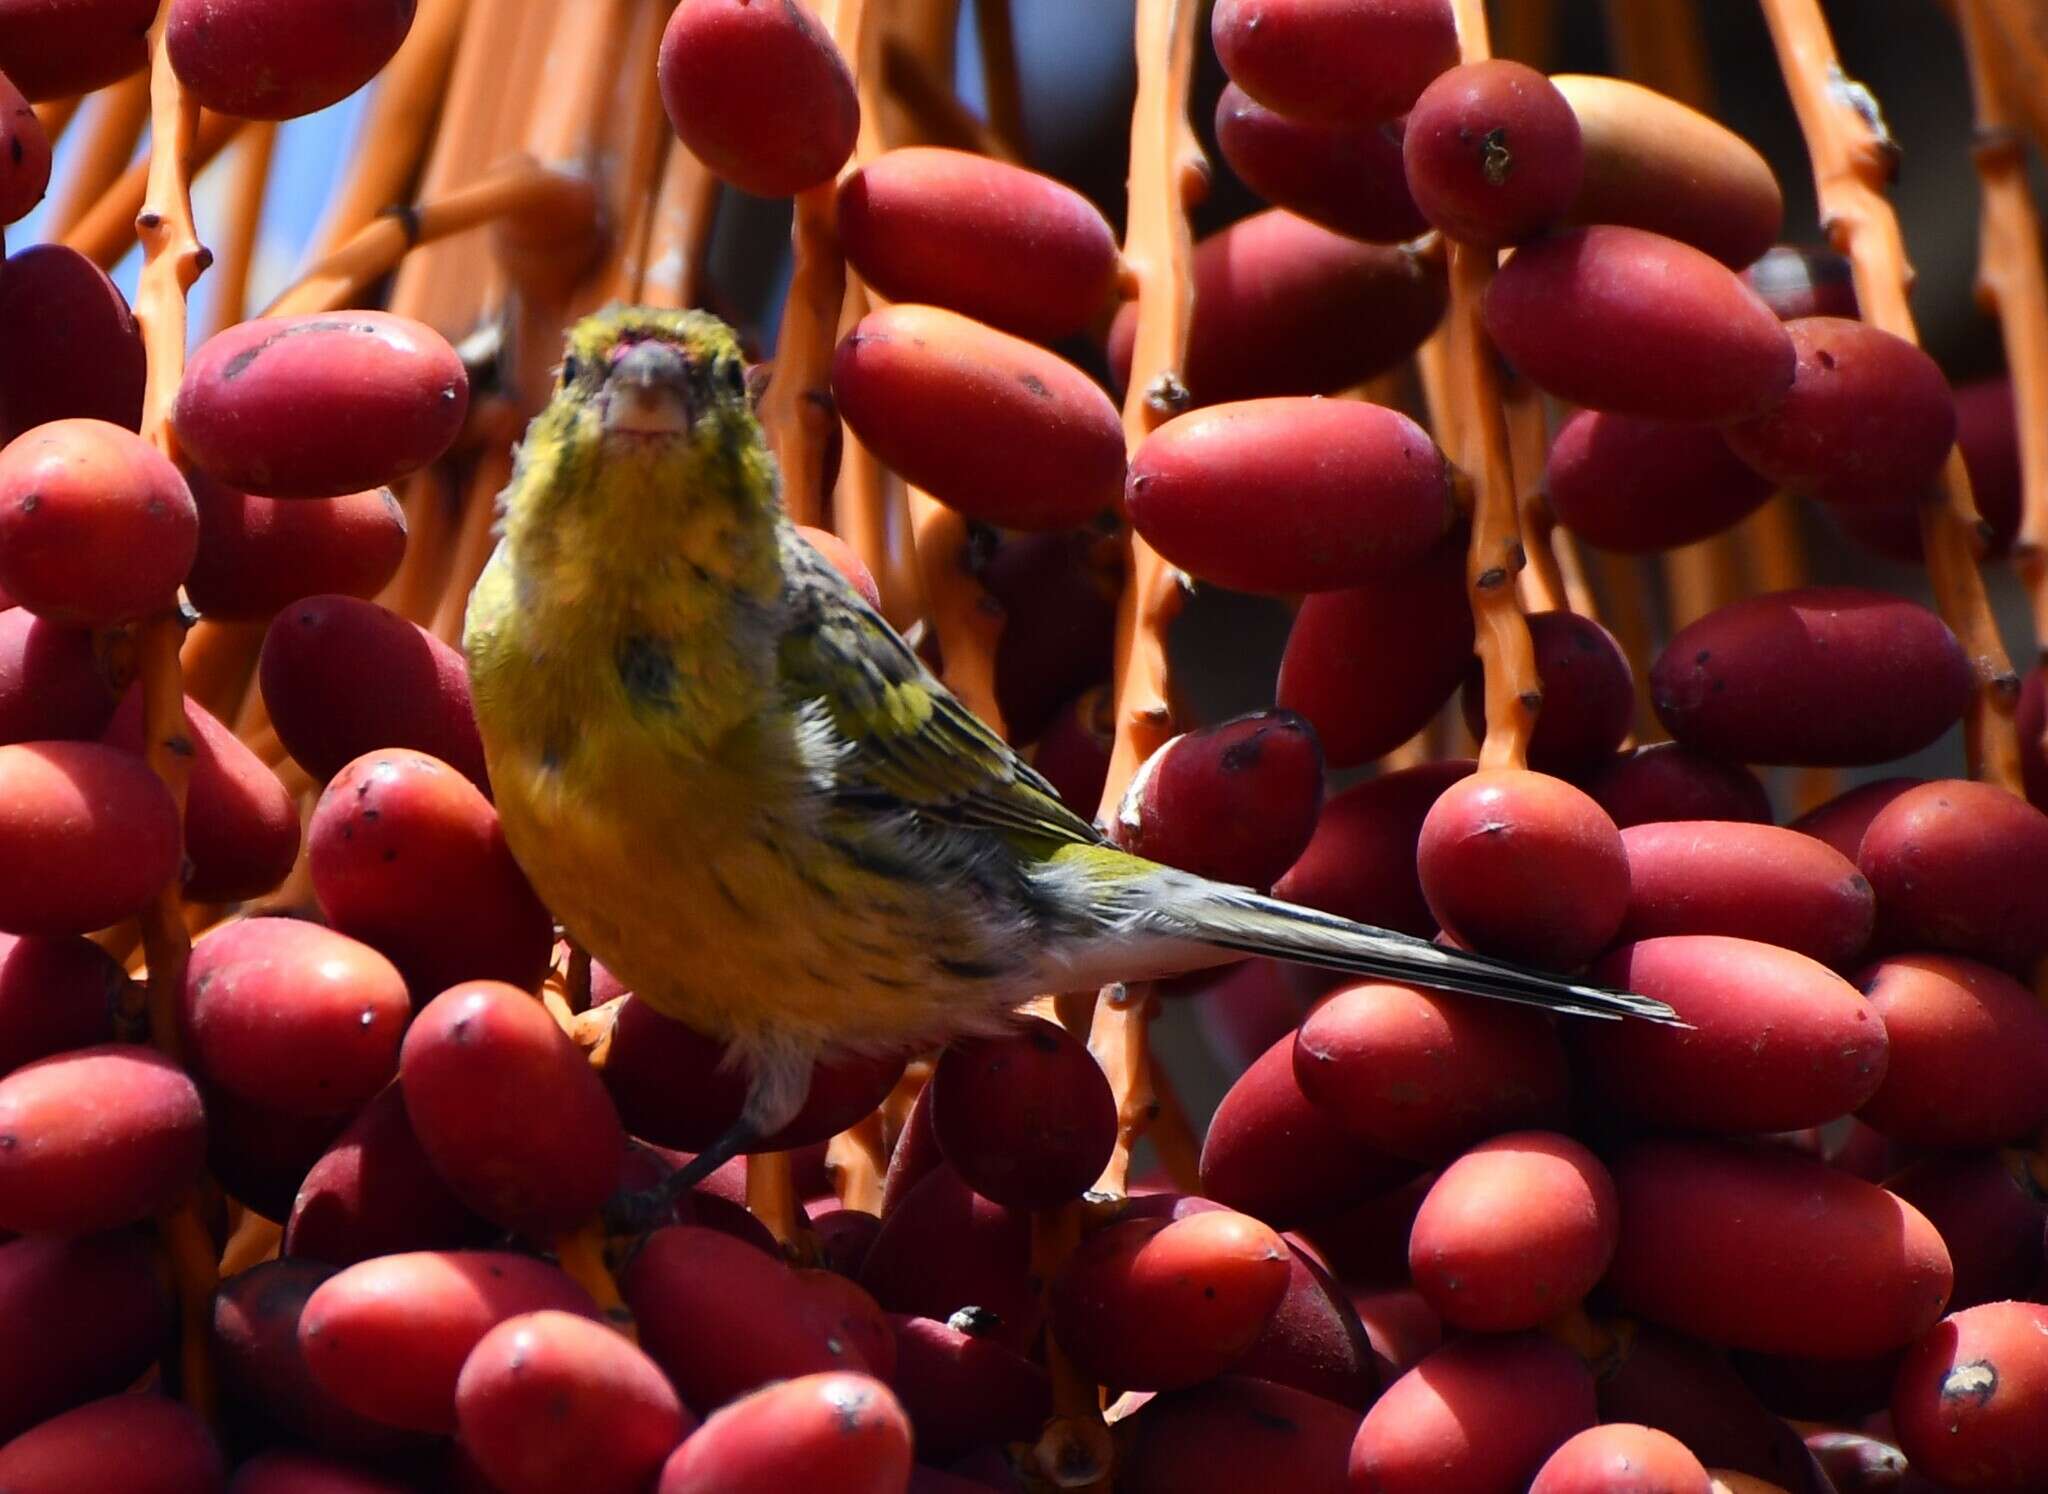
(647, 390)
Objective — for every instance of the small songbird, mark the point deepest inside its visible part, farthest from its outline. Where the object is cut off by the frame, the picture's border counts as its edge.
(743, 792)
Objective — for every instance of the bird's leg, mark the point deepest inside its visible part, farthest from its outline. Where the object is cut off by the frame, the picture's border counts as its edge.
(776, 1093)
(637, 1213)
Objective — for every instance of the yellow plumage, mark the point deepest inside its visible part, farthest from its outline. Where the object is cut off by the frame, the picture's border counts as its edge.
(740, 790)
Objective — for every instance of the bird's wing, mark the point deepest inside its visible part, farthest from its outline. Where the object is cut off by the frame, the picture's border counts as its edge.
(905, 743)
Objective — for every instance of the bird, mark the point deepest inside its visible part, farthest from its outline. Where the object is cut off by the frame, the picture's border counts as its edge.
(741, 790)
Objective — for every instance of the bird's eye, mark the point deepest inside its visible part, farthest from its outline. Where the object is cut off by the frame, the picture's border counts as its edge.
(733, 377)
(570, 369)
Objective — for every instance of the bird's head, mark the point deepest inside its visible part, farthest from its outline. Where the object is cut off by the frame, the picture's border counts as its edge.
(636, 378)
(649, 427)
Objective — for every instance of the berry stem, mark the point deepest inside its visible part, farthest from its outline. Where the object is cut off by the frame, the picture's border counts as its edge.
(172, 260)
(858, 1160)
(997, 40)
(108, 229)
(871, 507)
(2011, 282)
(1506, 655)
(522, 189)
(113, 127)
(1166, 177)
(1853, 159)
(796, 410)
(393, 137)
(245, 212)
(678, 231)
(935, 109)
(1542, 585)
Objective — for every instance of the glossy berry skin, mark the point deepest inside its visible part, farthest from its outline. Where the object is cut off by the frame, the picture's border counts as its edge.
(1818, 675)
(54, 51)
(1589, 696)
(552, 1400)
(1514, 1232)
(1530, 1393)
(1625, 483)
(541, 1163)
(1345, 177)
(1363, 698)
(1616, 1456)
(74, 350)
(1775, 1040)
(1007, 246)
(1235, 802)
(1869, 417)
(1969, 1401)
(1963, 866)
(840, 1431)
(1492, 153)
(1624, 320)
(1523, 865)
(407, 855)
(1291, 495)
(241, 826)
(88, 834)
(24, 155)
(1027, 1118)
(1427, 1074)
(96, 526)
(1752, 1246)
(280, 59)
(1360, 61)
(758, 92)
(990, 424)
(342, 677)
(1154, 1304)
(321, 405)
(1652, 162)
(96, 1139)
(293, 1016)
(141, 1444)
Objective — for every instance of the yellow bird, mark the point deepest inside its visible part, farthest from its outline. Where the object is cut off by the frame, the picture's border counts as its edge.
(739, 788)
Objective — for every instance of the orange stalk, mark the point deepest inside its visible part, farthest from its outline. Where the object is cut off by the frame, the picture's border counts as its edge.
(858, 1160)
(940, 117)
(1526, 32)
(245, 214)
(1852, 162)
(1661, 44)
(678, 231)
(1542, 583)
(582, 1258)
(56, 115)
(795, 410)
(1074, 1451)
(2016, 42)
(1165, 178)
(967, 620)
(114, 123)
(997, 38)
(393, 135)
(1700, 577)
(521, 188)
(172, 260)
(107, 229)
(872, 508)
(771, 1196)
(2011, 283)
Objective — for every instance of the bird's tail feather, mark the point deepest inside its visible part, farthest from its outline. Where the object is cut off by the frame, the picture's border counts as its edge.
(1234, 919)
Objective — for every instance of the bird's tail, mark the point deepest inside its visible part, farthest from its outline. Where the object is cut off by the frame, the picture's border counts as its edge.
(1236, 919)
